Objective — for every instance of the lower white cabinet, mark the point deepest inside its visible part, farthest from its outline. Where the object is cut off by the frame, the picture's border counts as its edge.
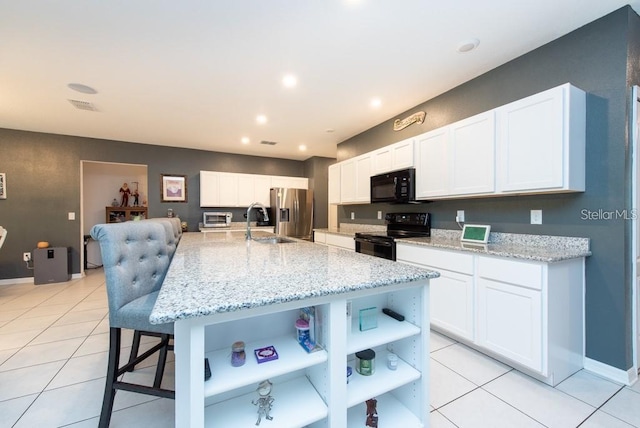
(452, 304)
(334, 240)
(319, 237)
(311, 389)
(510, 321)
(528, 314)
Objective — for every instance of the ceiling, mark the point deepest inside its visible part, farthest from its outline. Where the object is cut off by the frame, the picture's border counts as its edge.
(197, 73)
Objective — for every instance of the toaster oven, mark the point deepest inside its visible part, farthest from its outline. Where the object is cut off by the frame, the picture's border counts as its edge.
(216, 219)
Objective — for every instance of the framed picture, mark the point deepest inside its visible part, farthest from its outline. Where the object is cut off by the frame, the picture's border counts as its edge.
(173, 188)
(3, 185)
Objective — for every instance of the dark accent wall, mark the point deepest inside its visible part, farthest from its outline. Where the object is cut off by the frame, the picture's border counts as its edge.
(316, 168)
(602, 59)
(43, 185)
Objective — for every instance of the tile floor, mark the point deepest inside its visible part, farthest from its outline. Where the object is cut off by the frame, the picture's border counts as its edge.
(53, 351)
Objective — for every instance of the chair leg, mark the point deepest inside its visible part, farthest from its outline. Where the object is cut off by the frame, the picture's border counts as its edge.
(112, 377)
(162, 360)
(134, 347)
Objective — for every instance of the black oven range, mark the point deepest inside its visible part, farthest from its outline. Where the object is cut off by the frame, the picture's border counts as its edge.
(399, 225)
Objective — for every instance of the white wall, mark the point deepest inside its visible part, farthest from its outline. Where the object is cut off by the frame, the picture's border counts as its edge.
(101, 184)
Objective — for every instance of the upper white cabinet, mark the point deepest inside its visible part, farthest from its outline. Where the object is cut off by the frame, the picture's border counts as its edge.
(209, 189)
(541, 142)
(227, 189)
(290, 182)
(334, 184)
(355, 180)
(363, 178)
(458, 159)
(472, 146)
(432, 164)
(393, 157)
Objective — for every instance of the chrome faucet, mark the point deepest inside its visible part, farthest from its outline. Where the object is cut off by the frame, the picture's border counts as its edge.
(264, 211)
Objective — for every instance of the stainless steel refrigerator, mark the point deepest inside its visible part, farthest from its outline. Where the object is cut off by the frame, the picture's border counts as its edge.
(292, 211)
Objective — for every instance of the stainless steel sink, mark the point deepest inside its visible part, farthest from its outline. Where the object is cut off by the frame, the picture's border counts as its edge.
(273, 240)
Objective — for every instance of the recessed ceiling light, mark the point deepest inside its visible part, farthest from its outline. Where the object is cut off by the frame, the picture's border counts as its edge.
(302, 147)
(245, 140)
(289, 81)
(79, 87)
(467, 45)
(261, 119)
(376, 102)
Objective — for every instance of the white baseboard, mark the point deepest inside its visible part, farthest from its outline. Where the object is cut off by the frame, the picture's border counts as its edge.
(625, 377)
(16, 280)
(29, 279)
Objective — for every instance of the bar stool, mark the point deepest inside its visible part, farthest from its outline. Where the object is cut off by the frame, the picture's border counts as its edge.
(135, 259)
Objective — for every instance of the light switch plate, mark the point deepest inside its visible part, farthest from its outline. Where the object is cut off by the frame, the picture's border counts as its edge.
(353, 216)
(71, 216)
(379, 215)
(536, 216)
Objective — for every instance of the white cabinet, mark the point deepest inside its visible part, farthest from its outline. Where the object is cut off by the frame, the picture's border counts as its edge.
(310, 389)
(472, 148)
(355, 180)
(432, 164)
(342, 241)
(458, 159)
(290, 182)
(228, 189)
(334, 184)
(209, 189)
(363, 179)
(319, 237)
(528, 314)
(541, 142)
(334, 240)
(348, 181)
(396, 156)
(452, 294)
(262, 189)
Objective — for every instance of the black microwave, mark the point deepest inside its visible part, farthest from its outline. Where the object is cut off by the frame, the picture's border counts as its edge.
(394, 187)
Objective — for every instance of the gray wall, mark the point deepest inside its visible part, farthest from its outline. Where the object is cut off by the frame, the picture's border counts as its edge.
(316, 168)
(593, 58)
(43, 185)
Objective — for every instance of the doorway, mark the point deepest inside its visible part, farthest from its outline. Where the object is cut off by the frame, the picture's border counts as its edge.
(99, 187)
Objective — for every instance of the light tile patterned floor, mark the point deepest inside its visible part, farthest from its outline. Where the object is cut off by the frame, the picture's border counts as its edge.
(53, 351)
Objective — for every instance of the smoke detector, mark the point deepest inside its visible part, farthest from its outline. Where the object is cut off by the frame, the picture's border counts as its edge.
(268, 143)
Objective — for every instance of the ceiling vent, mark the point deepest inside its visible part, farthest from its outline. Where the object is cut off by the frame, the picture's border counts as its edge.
(83, 105)
(268, 143)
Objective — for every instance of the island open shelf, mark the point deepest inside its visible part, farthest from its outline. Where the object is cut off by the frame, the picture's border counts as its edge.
(388, 330)
(391, 413)
(362, 388)
(296, 404)
(291, 357)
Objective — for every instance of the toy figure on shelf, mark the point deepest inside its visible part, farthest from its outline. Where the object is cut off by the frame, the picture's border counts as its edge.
(372, 413)
(125, 192)
(136, 198)
(264, 401)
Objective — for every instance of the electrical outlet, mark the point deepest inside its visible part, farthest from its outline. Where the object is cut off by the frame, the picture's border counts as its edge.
(353, 216)
(460, 216)
(536, 216)
(379, 215)
(26, 257)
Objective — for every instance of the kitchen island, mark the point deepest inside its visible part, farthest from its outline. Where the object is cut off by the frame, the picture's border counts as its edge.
(221, 289)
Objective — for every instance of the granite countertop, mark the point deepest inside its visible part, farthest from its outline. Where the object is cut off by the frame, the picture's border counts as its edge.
(221, 272)
(540, 248)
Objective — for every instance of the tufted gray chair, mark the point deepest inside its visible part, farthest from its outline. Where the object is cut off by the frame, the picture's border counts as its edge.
(172, 236)
(135, 259)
